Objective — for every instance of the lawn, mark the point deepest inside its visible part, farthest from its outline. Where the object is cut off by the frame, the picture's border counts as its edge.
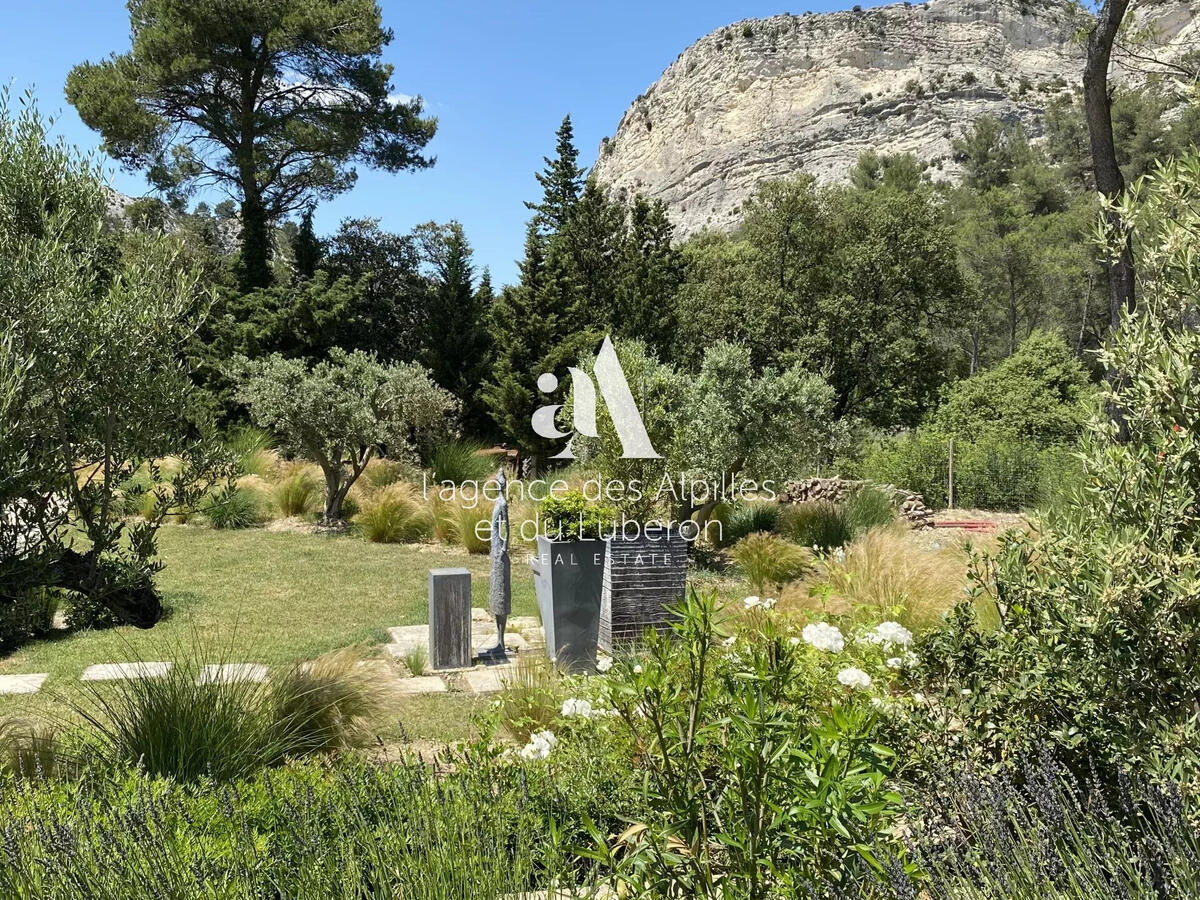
(271, 597)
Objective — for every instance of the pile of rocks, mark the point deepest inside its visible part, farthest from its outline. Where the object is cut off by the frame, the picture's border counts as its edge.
(911, 506)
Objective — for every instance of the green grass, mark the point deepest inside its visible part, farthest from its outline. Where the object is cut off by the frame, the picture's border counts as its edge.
(271, 597)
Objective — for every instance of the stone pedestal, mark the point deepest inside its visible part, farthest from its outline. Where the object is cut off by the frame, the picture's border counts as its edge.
(449, 618)
(644, 576)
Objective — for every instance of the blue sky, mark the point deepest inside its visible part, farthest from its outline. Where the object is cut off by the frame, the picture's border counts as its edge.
(498, 75)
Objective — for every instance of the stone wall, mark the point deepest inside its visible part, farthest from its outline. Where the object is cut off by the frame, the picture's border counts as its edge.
(911, 506)
(643, 575)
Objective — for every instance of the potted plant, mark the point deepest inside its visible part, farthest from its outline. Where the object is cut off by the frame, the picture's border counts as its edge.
(568, 576)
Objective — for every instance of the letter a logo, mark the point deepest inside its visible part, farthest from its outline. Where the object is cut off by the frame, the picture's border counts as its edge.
(635, 442)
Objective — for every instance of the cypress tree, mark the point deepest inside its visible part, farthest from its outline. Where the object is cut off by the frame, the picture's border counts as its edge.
(306, 247)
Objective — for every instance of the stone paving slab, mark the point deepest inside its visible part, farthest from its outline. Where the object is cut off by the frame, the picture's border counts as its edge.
(486, 679)
(419, 684)
(231, 673)
(22, 684)
(117, 671)
(406, 638)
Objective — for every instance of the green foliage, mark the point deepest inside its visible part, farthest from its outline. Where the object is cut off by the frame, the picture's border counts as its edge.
(394, 515)
(532, 697)
(1095, 653)
(417, 660)
(94, 328)
(868, 507)
(248, 447)
(769, 562)
(297, 494)
(747, 518)
(459, 462)
(190, 725)
(757, 781)
(341, 410)
(290, 146)
(232, 507)
(308, 830)
(26, 617)
(1039, 395)
(817, 524)
(572, 517)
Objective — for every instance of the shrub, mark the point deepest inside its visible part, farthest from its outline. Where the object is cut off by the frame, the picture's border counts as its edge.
(461, 461)
(759, 784)
(232, 507)
(868, 507)
(26, 617)
(572, 517)
(818, 524)
(747, 518)
(31, 750)
(297, 494)
(463, 525)
(379, 473)
(770, 562)
(394, 515)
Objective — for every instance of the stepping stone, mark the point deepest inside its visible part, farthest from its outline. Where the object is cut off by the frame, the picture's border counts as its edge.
(486, 679)
(232, 673)
(21, 684)
(420, 684)
(117, 671)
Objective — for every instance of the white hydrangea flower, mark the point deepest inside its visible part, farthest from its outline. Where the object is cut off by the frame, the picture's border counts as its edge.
(768, 603)
(574, 707)
(637, 670)
(893, 633)
(854, 678)
(751, 602)
(604, 663)
(824, 636)
(895, 662)
(539, 746)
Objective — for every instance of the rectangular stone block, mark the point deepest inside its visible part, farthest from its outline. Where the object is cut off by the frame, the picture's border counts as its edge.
(22, 684)
(449, 618)
(118, 671)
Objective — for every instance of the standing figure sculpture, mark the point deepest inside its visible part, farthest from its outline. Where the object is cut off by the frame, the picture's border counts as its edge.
(500, 590)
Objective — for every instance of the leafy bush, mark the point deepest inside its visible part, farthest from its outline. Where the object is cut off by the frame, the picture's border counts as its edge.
(572, 517)
(868, 507)
(747, 518)
(770, 562)
(995, 473)
(461, 461)
(395, 515)
(26, 617)
(297, 494)
(232, 507)
(1095, 654)
(759, 778)
(818, 524)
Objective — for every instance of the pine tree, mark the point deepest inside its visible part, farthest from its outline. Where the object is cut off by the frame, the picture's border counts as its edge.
(562, 182)
(306, 247)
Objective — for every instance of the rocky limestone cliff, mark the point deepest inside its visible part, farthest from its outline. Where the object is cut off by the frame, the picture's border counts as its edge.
(770, 98)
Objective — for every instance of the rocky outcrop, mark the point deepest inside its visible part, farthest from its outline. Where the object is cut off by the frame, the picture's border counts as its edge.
(910, 506)
(770, 98)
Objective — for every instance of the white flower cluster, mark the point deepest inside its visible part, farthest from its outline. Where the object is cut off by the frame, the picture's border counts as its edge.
(603, 664)
(854, 678)
(539, 746)
(756, 603)
(824, 636)
(888, 634)
(583, 709)
(907, 661)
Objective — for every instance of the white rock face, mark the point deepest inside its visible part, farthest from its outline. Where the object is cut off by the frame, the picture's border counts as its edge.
(770, 98)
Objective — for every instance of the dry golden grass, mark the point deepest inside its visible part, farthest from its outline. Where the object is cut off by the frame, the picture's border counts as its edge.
(884, 574)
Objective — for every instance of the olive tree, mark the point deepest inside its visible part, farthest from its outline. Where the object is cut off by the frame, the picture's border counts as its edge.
(342, 410)
(94, 324)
